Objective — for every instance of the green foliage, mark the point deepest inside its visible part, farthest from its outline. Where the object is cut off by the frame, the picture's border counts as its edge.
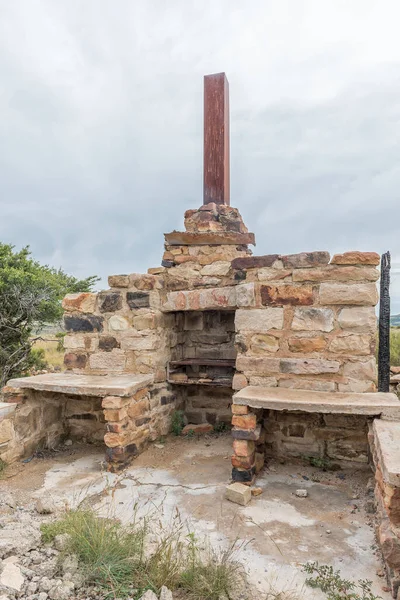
(331, 583)
(60, 337)
(109, 555)
(395, 347)
(220, 427)
(113, 557)
(37, 359)
(3, 466)
(177, 422)
(321, 463)
(30, 296)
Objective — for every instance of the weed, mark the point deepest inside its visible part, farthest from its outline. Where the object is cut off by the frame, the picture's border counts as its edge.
(3, 467)
(177, 422)
(321, 463)
(110, 555)
(331, 583)
(190, 433)
(220, 427)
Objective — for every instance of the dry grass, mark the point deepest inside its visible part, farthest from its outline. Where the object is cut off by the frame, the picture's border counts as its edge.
(53, 357)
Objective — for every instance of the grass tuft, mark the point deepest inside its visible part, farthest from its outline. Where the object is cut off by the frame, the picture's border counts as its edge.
(177, 422)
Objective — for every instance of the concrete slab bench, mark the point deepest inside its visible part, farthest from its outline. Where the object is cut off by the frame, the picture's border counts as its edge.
(374, 404)
(123, 411)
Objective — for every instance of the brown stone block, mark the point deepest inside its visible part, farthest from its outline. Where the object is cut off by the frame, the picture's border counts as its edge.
(306, 259)
(75, 361)
(115, 414)
(114, 402)
(356, 294)
(239, 409)
(197, 429)
(390, 545)
(144, 282)
(239, 381)
(242, 462)
(261, 343)
(119, 281)
(351, 344)
(185, 238)
(356, 258)
(109, 301)
(243, 447)
(81, 302)
(139, 408)
(306, 345)
(334, 273)
(247, 434)
(304, 366)
(254, 262)
(257, 365)
(244, 421)
(278, 295)
(141, 394)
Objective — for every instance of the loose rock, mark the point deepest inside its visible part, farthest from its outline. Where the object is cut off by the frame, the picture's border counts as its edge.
(301, 493)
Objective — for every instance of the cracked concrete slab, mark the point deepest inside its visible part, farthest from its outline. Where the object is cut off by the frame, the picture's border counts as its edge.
(277, 531)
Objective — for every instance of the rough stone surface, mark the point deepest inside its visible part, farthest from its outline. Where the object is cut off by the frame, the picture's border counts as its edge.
(358, 318)
(361, 294)
(85, 323)
(238, 493)
(259, 319)
(306, 259)
(279, 295)
(356, 258)
(313, 319)
(80, 302)
(305, 366)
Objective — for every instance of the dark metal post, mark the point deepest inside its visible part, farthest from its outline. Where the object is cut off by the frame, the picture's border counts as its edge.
(384, 326)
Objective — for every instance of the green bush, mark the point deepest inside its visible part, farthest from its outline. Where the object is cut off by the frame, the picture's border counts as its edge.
(335, 587)
(395, 347)
(177, 422)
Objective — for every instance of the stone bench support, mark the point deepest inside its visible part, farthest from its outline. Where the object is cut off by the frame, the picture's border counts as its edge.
(122, 411)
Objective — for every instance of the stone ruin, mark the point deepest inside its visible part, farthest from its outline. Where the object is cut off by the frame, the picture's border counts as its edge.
(279, 347)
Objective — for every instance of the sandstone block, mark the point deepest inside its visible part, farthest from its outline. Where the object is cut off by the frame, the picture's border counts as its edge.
(259, 319)
(144, 282)
(146, 321)
(238, 493)
(262, 343)
(307, 344)
(390, 545)
(119, 281)
(115, 414)
(242, 462)
(301, 366)
(75, 361)
(361, 369)
(247, 434)
(358, 318)
(286, 294)
(244, 421)
(81, 302)
(306, 259)
(131, 340)
(113, 402)
(118, 323)
(108, 343)
(245, 295)
(239, 409)
(218, 268)
(257, 365)
(84, 323)
(355, 385)
(334, 273)
(108, 361)
(351, 344)
(263, 381)
(313, 319)
(362, 294)
(239, 381)
(254, 262)
(259, 462)
(186, 238)
(80, 341)
(243, 447)
(307, 384)
(197, 429)
(272, 274)
(356, 258)
(109, 301)
(6, 430)
(139, 408)
(138, 299)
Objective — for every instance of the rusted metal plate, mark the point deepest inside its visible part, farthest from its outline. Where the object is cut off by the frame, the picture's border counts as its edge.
(216, 139)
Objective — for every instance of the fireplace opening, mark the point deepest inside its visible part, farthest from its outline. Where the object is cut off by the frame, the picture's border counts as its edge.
(202, 364)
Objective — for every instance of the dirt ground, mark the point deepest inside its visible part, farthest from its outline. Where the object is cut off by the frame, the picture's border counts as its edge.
(275, 534)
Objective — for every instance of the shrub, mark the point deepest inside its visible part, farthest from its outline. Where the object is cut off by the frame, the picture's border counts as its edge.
(395, 347)
(331, 583)
(177, 422)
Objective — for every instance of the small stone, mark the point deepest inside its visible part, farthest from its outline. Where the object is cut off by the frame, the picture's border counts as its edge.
(165, 593)
(238, 493)
(256, 491)
(149, 595)
(12, 577)
(301, 493)
(68, 443)
(159, 446)
(61, 541)
(45, 506)
(328, 531)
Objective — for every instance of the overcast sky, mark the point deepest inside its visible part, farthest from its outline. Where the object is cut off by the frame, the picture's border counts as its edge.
(101, 125)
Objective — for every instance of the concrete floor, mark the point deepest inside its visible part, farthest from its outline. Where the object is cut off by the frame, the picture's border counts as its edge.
(277, 530)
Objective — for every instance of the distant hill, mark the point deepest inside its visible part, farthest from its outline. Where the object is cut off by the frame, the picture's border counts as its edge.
(395, 320)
